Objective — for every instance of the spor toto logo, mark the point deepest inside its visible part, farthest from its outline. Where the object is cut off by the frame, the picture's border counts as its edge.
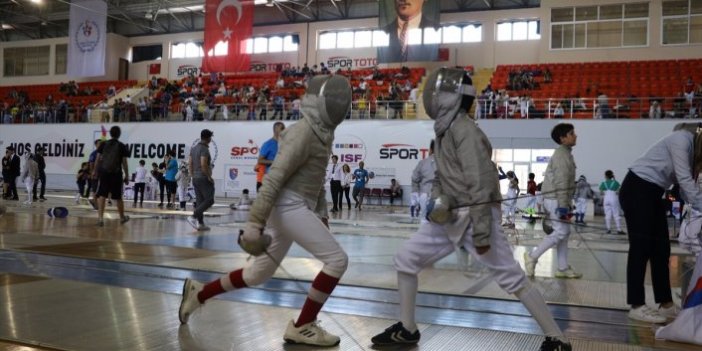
(245, 152)
(402, 152)
(349, 148)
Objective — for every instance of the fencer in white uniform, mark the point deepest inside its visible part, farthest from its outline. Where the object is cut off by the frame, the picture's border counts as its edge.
(183, 179)
(292, 208)
(30, 172)
(510, 203)
(464, 212)
(610, 189)
(422, 179)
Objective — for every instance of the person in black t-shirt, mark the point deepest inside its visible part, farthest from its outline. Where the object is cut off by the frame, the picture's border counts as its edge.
(111, 161)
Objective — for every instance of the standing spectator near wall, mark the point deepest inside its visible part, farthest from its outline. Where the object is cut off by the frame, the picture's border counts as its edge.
(200, 166)
(41, 163)
(6, 174)
(269, 149)
(157, 174)
(360, 176)
(395, 190)
(140, 183)
(334, 174)
(110, 162)
(170, 178)
(13, 173)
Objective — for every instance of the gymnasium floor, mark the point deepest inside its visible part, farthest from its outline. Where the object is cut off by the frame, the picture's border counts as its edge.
(67, 284)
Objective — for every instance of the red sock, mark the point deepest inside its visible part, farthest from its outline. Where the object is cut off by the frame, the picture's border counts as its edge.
(323, 283)
(215, 287)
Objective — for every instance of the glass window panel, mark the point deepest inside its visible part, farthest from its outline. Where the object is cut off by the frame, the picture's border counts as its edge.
(503, 155)
(249, 45)
(562, 15)
(260, 45)
(451, 34)
(473, 33)
(541, 155)
(673, 8)
(586, 13)
(61, 58)
(221, 48)
(432, 35)
(193, 50)
(178, 51)
(635, 33)
(414, 36)
(363, 39)
(380, 38)
(610, 12)
(519, 31)
(504, 31)
(275, 44)
(610, 34)
(327, 40)
(675, 30)
(522, 155)
(557, 36)
(580, 30)
(534, 30)
(344, 40)
(637, 10)
(696, 29)
(696, 7)
(288, 44)
(568, 37)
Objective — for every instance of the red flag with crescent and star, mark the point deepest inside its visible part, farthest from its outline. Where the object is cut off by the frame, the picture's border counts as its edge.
(229, 22)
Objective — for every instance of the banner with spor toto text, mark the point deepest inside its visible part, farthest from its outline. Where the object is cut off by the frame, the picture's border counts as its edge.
(390, 149)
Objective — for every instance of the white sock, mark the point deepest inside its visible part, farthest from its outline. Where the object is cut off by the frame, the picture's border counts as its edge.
(407, 287)
(534, 302)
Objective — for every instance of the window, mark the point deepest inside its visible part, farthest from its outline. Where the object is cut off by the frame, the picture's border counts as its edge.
(327, 40)
(682, 22)
(260, 45)
(452, 34)
(605, 26)
(187, 50)
(380, 38)
(275, 44)
(26, 61)
(147, 53)
(290, 42)
(432, 36)
(61, 59)
(472, 33)
(363, 39)
(344, 40)
(518, 30)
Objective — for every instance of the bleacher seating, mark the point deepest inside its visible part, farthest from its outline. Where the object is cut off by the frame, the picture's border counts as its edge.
(38, 93)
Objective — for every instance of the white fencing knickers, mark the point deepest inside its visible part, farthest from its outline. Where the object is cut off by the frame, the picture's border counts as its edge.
(29, 184)
(581, 205)
(611, 209)
(559, 237)
(510, 204)
(292, 220)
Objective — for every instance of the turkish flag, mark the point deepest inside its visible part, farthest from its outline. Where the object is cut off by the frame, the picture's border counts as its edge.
(227, 23)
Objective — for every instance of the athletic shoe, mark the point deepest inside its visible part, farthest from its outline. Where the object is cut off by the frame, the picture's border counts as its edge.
(396, 334)
(529, 265)
(621, 232)
(670, 312)
(42, 199)
(124, 220)
(193, 222)
(189, 303)
(202, 228)
(568, 274)
(100, 223)
(310, 334)
(554, 344)
(646, 314)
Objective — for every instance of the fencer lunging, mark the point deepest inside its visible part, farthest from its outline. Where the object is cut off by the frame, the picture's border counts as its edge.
(464, 212)
(291, 206)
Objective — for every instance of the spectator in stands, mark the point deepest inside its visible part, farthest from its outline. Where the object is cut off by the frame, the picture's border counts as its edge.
(655, 112)
(689, 89)
(263, 105)
(558, 111)
(362, 106)
(362, 86)
(222, 91)
(295, 108)
(278, 104)
(111, 91)
(547, 75)
(280, 83)
(395, 190)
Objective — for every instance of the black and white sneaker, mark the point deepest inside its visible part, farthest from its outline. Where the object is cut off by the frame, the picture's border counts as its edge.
(396, 335)
(553, 344)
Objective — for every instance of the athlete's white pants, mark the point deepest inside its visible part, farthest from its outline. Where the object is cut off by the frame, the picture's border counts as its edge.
(559, 237)
(29, 185)
(531, 201)
(292, 220)
(611, 209)
(581, 205)
(510, 204)
(421, 200)
(182, 192)
(431, 243)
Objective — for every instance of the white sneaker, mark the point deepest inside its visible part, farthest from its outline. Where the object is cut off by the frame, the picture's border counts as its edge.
(193, 222)
(189, 303)
(646, 314)
(670, 312)
(310, 334)
(569, 273)
(529, 265)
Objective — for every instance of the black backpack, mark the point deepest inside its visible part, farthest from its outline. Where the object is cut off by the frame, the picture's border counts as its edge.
(111, 161)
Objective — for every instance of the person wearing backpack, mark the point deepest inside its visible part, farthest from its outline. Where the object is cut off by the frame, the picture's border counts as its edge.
(110, 162)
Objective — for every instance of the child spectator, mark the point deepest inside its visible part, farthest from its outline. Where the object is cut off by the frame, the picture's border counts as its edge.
(82, 179)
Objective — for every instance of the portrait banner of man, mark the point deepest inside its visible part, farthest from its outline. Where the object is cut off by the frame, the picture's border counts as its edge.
(405, 21)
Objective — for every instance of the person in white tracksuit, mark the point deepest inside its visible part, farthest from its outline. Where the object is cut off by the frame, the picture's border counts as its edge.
(610, 189)
(510, 202)
(464, 211)
(30, 173)
(291, 206)
(183, 180)
(422, 178)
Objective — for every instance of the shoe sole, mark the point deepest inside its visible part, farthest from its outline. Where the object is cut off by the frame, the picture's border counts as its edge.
(396, 343)
(186, 287)
(291, 341)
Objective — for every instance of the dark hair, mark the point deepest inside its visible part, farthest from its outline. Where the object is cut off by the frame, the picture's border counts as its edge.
(335, 157)
(142, 162)
(560, 131)
(115, 132)
(97, 141)
(245, 191)
(154, 164)
(276, 124)
(609, 174)
(431, 145)
(532, 176)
